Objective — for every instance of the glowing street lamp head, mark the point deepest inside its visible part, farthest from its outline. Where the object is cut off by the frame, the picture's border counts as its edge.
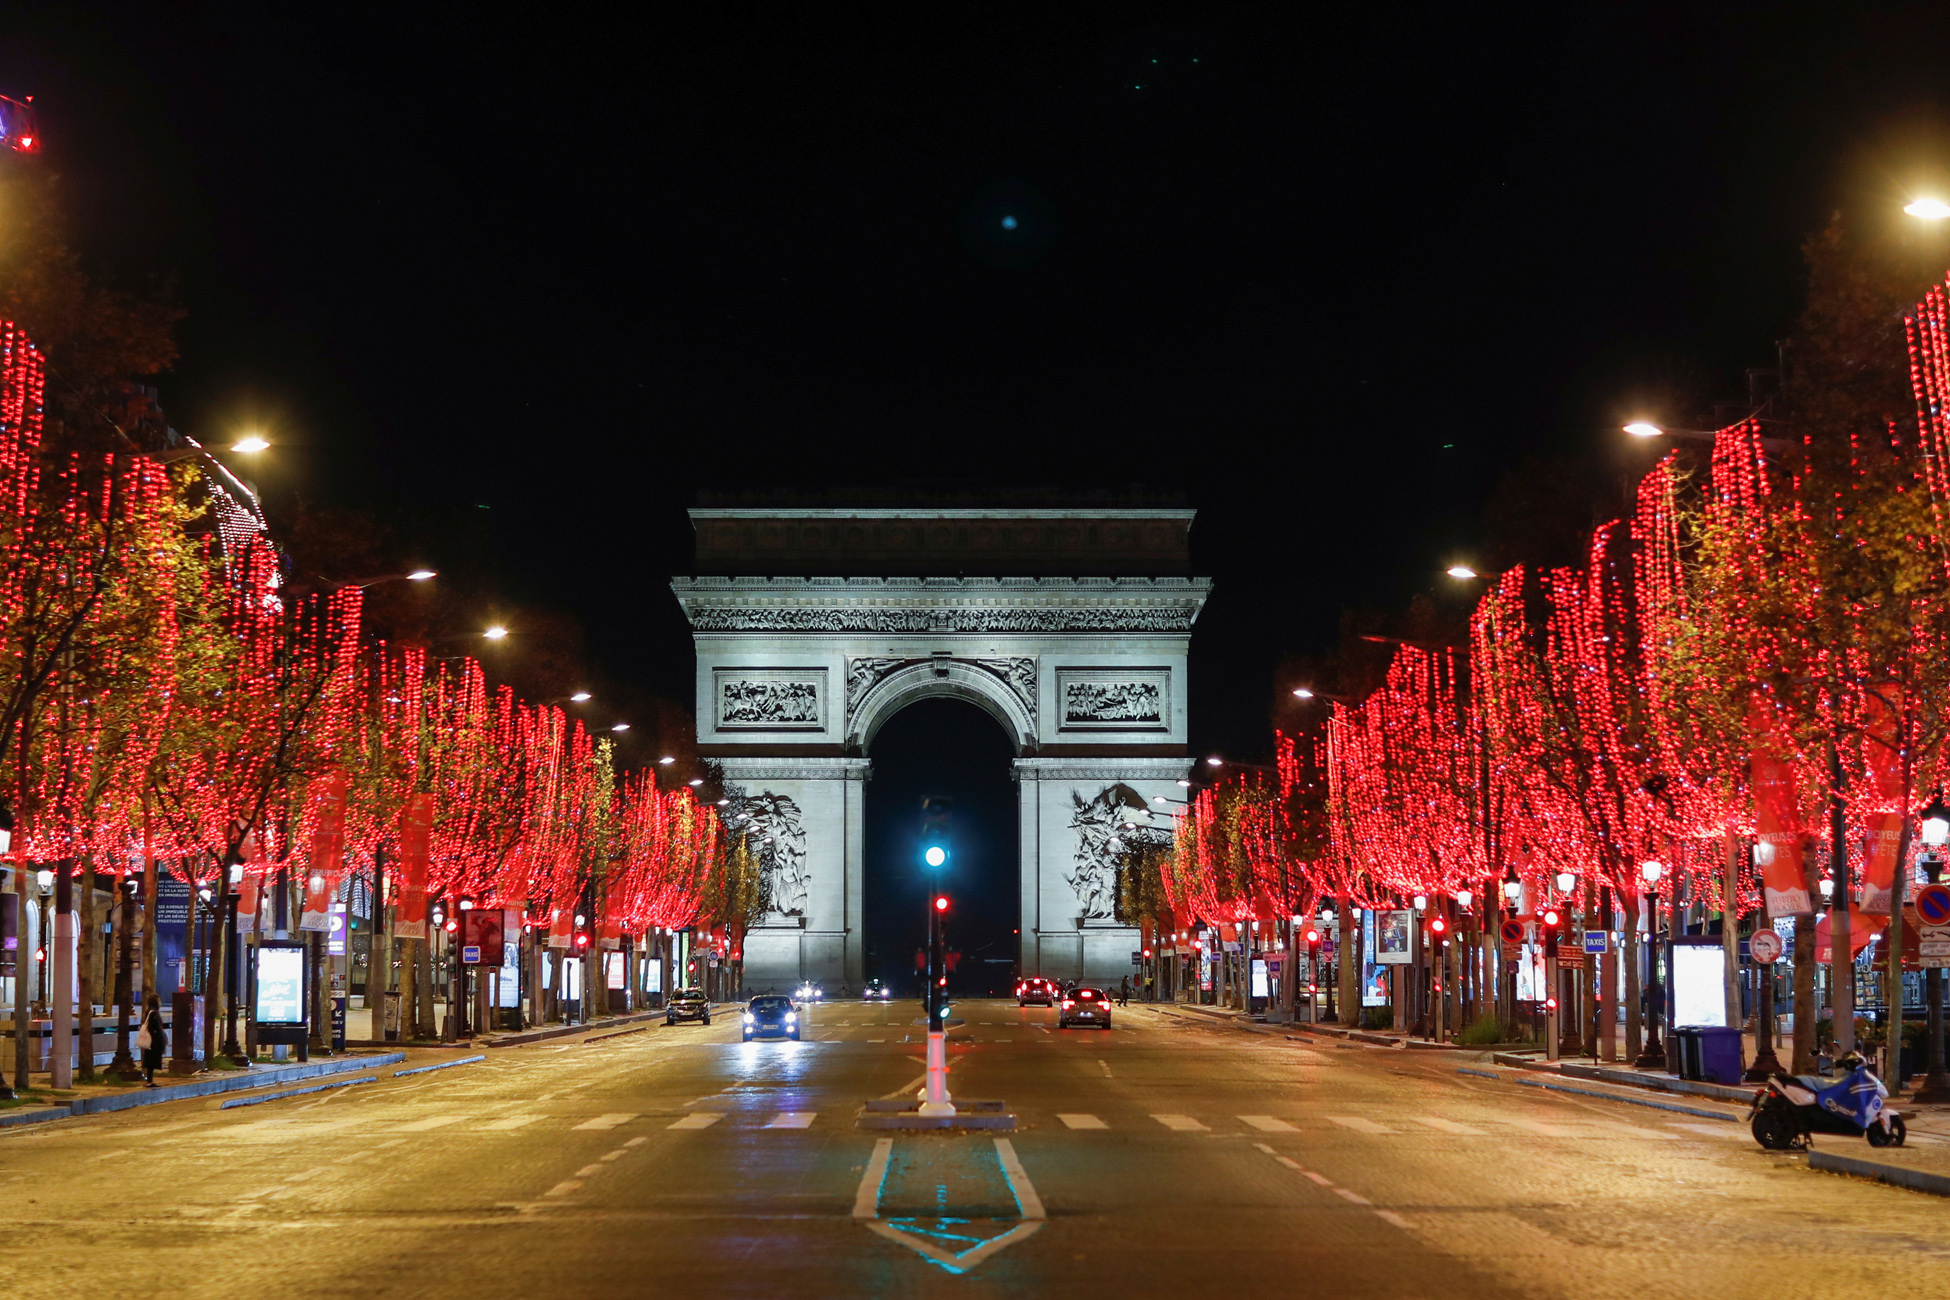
(250, 444)
(1929, 209)
(495, 633)
(1644, 429)
(621, 726)
(420, 575)
(935, 856)
(1302, 693)
(1462, 572)
(580, 697)
(667, 760)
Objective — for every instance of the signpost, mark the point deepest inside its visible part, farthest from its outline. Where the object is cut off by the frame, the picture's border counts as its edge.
(1512, 930)
(1765, 947)
(1597, 942)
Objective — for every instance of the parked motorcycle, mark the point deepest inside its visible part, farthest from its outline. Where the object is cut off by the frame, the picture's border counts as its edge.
(1792, 1108)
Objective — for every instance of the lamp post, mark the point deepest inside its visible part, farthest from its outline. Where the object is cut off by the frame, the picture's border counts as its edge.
(1765, 1063)
(1935, 1090)
(1572, 1041)
(1653, 1057)
(1507, 977)
(45, 880)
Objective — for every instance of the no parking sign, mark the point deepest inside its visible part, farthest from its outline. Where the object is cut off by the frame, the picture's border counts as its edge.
(1933, 904)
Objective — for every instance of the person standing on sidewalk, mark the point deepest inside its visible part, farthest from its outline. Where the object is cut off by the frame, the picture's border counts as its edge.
(1124, 992)
(152, 1040)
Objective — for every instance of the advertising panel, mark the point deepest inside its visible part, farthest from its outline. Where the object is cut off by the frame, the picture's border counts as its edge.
(1699, 998)
(1392, 938)
(279, 998)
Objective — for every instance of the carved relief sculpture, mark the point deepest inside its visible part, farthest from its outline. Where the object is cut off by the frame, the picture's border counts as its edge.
(752, 703)
(1101, 840)
(778, 841)
(1113, 702)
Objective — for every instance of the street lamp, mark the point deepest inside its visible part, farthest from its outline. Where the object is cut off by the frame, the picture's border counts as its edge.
(620, 726)
(250, 444)
(1647, 429)
(1566, 882)
(496, 633)
(580, 697)
(1654, 1055)
(1935, 1089)
(1928, 209)
(1463, 573)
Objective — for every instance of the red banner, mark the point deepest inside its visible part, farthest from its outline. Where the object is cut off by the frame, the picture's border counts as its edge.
(1777, 821)
(410, 877)
(323, 865)
(247, 902)
(1885, 829)
(562, 928)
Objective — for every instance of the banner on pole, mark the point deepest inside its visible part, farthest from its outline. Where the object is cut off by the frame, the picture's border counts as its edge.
(410, 876)
(1777, 819)
(1885, 829)
(322, 866)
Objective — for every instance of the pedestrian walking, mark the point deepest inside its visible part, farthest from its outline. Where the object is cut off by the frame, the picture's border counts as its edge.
(152, 1038)
(1124, 992)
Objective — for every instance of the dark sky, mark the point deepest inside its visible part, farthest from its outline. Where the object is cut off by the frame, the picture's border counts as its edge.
(1330, 274)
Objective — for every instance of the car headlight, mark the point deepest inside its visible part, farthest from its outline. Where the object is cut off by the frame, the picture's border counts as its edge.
(791, 1017)
(748, 1020)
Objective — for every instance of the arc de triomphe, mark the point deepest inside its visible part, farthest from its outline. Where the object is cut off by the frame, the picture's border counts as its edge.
(1076, 645)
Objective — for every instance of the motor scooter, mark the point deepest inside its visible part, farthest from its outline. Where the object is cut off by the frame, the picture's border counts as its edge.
(1791, 1108)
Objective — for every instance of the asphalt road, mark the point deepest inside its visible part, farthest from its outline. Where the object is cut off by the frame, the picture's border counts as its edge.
(1161, 1158)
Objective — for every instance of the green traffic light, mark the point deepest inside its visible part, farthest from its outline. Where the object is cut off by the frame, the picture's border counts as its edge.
(935, 855)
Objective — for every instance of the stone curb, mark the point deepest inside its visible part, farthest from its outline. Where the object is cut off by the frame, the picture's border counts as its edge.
(1637, 1079)
(1916, 1180)
(16, 1118)
(242, 1081)
(566, 1031)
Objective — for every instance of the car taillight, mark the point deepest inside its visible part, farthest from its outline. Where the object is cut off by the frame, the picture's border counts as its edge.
(1067, 1004)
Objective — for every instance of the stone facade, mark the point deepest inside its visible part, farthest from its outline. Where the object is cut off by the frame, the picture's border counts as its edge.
(1086, 675)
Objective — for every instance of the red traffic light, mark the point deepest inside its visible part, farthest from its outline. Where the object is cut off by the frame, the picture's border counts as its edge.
(1313, 934)
(941, 903)
(1550, 1004)
(1550, 918)
(582, 941)
(1438, 926)
(452, 926)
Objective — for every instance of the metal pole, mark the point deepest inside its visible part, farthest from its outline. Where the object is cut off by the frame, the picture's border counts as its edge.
(1935, 1090)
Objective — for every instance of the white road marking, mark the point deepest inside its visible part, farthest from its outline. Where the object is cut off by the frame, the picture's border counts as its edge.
(563, 1188)
(1448, 1126)
(1317, 1178)
(617, 1154)
(1267, 1124)
(1356, 1197)
(876, 1040)
(607, 1121)
(1359, 1124)
(587, 1170)
(1290, 1163)
(508, 1123)
(1027, 1200)
(793, 1119)
(424, 1125)
(1181, 1123)
(699, 1119)
(866, 1201)
(1082, 1121)
(636, 1141)
(1104, 1066)
(1389, 1216)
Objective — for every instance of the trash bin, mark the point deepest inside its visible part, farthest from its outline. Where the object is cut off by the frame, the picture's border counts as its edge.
(1722, 1058)
(1685, 1052)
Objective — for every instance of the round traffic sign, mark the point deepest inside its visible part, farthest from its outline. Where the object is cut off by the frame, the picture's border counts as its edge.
(1933, 904)
(1765, 947)
(1512, 930)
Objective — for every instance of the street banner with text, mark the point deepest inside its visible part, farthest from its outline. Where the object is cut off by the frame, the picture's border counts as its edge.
(324, 863)
(1777, 821)
(410, 880)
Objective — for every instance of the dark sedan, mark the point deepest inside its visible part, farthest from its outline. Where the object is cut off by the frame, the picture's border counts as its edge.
(687, 1004)
(771, 1015)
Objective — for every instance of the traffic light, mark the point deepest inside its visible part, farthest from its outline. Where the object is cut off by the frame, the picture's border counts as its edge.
(940, 903)
(1550, 921)
(937, 831)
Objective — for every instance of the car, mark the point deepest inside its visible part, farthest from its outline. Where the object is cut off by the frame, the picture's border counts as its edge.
(1036, 992)
(810, 992)
(687, 1004)
(875, 991)
(771, 1015)
(1084, 1006)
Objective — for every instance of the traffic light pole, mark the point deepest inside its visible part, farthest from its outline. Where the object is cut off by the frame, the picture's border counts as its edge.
(934, 1099)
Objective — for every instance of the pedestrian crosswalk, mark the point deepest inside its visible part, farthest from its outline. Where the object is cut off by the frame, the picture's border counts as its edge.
(1383, 1125)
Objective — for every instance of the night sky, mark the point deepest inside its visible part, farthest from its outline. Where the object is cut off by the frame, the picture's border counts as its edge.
(1331, 277)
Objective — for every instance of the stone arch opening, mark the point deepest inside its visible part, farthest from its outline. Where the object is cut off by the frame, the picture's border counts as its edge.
(942, 746)
(1002, 688)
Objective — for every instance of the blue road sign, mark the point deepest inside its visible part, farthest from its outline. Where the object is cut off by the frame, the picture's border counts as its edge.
(1597, 941)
